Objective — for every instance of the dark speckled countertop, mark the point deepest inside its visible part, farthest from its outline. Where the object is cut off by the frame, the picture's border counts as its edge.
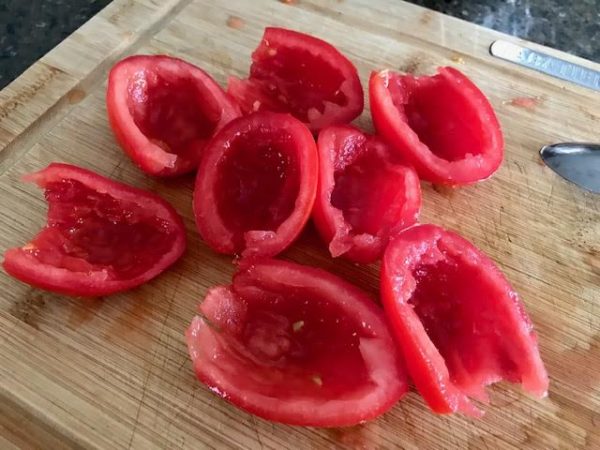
(30, 28)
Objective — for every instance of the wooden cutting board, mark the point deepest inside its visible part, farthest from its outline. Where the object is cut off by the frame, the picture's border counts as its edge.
(114, 372)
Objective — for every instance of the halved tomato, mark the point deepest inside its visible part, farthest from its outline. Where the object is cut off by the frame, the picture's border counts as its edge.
(102, 236)
(302, 75)
(164, 110)
(365, 195)
(297, 345)
(457, 319)
(443, 125)
(256, 185)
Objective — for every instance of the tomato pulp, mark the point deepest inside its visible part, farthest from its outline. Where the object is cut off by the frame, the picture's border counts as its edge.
(443, 124)
(164, 110)
(298, 345)
(365, 195)
(459, 323)
(256, 185)
(101, 237)
(302, 75)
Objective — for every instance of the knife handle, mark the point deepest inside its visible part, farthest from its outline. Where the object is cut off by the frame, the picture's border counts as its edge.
(547, 64)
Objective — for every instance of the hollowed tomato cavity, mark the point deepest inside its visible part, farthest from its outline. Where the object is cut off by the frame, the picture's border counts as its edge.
(458, 320)
(163, 111)
(463, 324)
(172, 110)
(440, 114)
(258, 182)
(256, 185)
(302, 75)
(92, 231)
(296, 345)
(376, 195)
(368, 189)
(297, 80)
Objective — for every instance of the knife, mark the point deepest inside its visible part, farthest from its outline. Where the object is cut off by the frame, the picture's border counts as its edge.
(547, 64)
(578, 163)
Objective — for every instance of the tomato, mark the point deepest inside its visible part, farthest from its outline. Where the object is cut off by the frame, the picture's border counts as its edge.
(365, 195)
(297, 345)
(457, 319)
(164, 110)
(442, 124)
(101, 237)
(303, 75)
(256, 185)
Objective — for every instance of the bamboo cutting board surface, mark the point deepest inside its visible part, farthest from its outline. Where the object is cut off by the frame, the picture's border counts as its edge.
(114, 372)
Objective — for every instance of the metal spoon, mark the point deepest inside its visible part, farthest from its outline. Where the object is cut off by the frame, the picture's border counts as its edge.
(576, 162)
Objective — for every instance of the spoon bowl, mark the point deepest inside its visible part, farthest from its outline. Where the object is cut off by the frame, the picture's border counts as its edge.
(576, 162)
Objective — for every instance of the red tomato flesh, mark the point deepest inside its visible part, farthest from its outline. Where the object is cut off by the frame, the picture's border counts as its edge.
(365, 195)
(442, 124)
(101, 237)
(164, 110)
(459, 322)
(295, 344)
(256, 185)
(302, 75)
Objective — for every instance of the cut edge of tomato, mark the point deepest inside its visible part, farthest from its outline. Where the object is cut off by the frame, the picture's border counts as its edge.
(25, 267)
(239, 89)
(430, 166)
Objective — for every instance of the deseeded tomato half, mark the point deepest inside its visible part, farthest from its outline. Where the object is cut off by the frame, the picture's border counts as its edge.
(163, 111)
(101, 237)
(303, 75)
(365, 195)
(298, 345)
(460, 324)
(442, 124)
(256, 185)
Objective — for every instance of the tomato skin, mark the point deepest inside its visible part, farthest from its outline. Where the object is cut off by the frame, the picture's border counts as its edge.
(281, 134)
(22, 264)
(130, 100)
(362, 165)
(219, 347)
(311, 68)
(476, 149)
(432, 281)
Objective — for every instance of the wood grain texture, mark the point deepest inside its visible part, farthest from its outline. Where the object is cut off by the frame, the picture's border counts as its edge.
(114, 372)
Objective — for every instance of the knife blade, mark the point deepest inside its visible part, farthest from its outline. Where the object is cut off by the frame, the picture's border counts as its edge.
(578, 163)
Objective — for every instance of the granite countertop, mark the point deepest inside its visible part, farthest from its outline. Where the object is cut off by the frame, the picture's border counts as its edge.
(29, 29)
